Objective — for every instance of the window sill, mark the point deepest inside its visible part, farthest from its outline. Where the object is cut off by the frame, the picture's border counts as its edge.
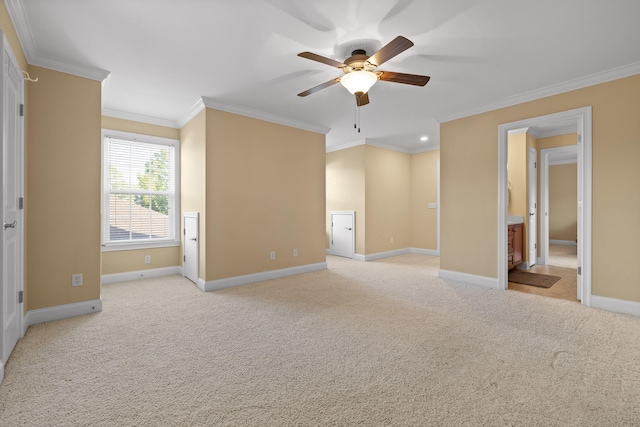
(142, 245)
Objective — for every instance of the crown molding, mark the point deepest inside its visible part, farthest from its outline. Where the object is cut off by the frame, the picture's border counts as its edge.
(193, 111)
(27, 41)
(579, 83)
(347, 145)
(73, 69)
(425, 149)
(261, 115)
(380, 145)
(139, 118)
(519, 131)
(22, 27)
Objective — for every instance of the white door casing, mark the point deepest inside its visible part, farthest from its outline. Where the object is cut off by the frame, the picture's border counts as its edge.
(12, 185)
(532, 181)
(549, 157)
(581, 223)
(191, 259)
(583, 117)
(343, 233)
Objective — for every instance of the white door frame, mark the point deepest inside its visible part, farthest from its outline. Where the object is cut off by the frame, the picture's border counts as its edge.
(532, 191)
(5, 47)
(438, 206)
(583, 116)
(547, 156)
(353, 227)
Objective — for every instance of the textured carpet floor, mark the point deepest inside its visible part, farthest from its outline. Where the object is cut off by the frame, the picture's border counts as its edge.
(378, 343)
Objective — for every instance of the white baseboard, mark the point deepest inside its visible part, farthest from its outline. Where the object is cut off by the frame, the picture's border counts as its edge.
(471, 279)
(388, 254)
(328, 251)
(140, 274)
(213, 285)
(381, 255)
(563, 242)
(58, 312)
(201, 284)
(430, 252)
(617, 305)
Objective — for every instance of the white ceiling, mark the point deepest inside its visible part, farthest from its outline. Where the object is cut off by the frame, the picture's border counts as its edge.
(163, 56)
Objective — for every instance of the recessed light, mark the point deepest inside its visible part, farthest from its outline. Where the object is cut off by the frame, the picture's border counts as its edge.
(424, 138)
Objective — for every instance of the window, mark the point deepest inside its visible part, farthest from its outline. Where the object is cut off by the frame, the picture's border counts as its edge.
(140, 190)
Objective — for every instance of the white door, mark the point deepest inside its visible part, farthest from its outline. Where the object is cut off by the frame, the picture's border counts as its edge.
(532, 203)
(342, 234)
(191, 259)
(11, 201)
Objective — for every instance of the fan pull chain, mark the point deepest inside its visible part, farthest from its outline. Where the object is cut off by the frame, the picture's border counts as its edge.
(356, 117)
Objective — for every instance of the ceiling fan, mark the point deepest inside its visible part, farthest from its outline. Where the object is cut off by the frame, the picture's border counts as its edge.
(359, 75)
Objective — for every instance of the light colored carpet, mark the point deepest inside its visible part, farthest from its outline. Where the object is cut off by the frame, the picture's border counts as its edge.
(378, 343)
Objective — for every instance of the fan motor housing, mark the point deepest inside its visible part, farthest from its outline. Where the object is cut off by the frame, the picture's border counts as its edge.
(357, 62)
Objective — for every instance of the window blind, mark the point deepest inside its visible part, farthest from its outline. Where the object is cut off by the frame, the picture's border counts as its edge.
(139, 191)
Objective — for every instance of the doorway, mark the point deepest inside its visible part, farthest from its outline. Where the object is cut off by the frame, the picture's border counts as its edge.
(582, 117)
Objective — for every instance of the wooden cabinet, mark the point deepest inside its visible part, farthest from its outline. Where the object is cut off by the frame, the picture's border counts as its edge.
(515, 245)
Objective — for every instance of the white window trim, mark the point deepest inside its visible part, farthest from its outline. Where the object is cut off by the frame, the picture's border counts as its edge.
(126, 246)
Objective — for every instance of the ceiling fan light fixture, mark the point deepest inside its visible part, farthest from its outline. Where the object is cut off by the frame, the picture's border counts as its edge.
(359, 81)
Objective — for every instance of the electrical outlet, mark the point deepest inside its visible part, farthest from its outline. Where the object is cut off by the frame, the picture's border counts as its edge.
(76, 279)
(272, 255)
(295, 252)
(391, 240)
(147, 259)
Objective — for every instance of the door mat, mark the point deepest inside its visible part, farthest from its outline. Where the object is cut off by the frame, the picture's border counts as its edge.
(533, 279)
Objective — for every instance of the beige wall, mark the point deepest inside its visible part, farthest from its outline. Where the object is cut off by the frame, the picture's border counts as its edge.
(563, 202)
(390, 192)
(469, 149)
(517, 174)
(387, 200)
(265, 192)
(345, 190)
(556, 141)
(138, 127)
(193, 172)
(424, 185)
(124, 261)
(133, 260)
(63, 188)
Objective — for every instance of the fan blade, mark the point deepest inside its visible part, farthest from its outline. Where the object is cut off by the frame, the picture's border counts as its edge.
(395, 47)
(362, 99)
(322, 59)
(319, 87)
(409, 79)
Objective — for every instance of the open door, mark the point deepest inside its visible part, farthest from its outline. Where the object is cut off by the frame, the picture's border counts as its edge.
(191, 258)
(12, 214)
